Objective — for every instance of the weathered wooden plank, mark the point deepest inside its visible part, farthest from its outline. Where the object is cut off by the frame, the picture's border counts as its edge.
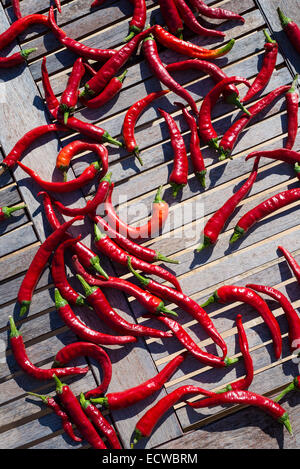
(16, 262)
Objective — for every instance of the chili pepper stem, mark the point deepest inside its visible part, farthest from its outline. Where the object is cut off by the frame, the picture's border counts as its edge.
(283, 18)
(144, 281)
(60, 302)
(160, 257)
(24, 307)
(13, 328)
(212, 299)
(137, 436)
(286, 390)
(294, 85)
(233, 99)
(238, 233)
(40, 396)
(83, 401)
(100, 400)
(88, 289)
(224, 154)
(201, 177)
(9, 210)
(59, 384)
(109, 139)
(286, 422)
(26, 52)
(268, 37)
(206, 243)
(95, 262)
(137, 155)
(176, 188)
(230, 361)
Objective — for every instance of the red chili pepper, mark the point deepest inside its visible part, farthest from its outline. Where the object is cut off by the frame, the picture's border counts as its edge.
(142, 252)
(108, 247)
(291, 29)
(265, 208)
(152, 303)
(24, 143)
(231, 136)
(282, 154)
(59, 275)
(131, 118)
(247, 398)
(160, 211)
(96, 298)
(185, 339)
(97, 3)
(20, 355)
(77, 47)
(215, 224)
(290, 313)
(188, 48)
(294, 385)
(292, 262)
(87, 349)
(19, 26)
(87, 257)
(77, 415)
(195, 150)
(100, 422)
(38, 264)
(159, 71)
(191, 22)
(292, 104)
(122, 399)
(231, 293)
(16, 8)
(212, 12)
(112, 88)
(57, 409)
(15, 59)
(112, 66)
(5, 212)
(171, 16)
(189, 305)
(207, 132)
(179, 175)
(266, 71)
(83, 331)
(69, 96)
(62, 187)
(147, 422)
(77, 146)
(242, 383)
(58, 5)
(138, 21)
(91, 206)
(230, 93)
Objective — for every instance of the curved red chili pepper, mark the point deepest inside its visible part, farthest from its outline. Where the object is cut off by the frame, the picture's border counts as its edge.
(195, 150)
(152, 303)
(230, 93)
(131, 118)
(66, 423)
(294, 385)
(147, 422)
(292, 104)
(38, 264)
(213, 12)
(19, 26)
(77, 146)
(159, 71)
(282, 154)
(77, 415)
(230, 293)
(96, 298)
(206, 130)
(179, 175)
(188, 48)
(217, 221)
(160, 211)
(69, 96)
(186, 303)
(112, 88)
(87, 349)
(58, 5)
(265, 208)
(290, 313)
(191, 22)
(291, 29)
(112, 66)
(59, 275)
(76, 46)
(123, 399)
(266, 71)
(82, 330)
(108, 247)
(292, 262)
(138, 21)
(6, 212)
(242, 383)
(231, 136)
(68, 186)
(142, 252)
(171, 16)
(16, 59)
(100, 422)
(24, 143)
(247, 398)
(22, 359)
(87, 257)
(16, 8)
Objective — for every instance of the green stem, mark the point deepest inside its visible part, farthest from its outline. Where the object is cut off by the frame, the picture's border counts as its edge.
(9, 210)
(59, 384)
(60, 302)
(108, 138)
(238, 233)
(162, 309)
(206, 243)
(137, 155)
(294, 85)
(83, 401)
(286, 422)
(235, 100)
(122, 76)
(283, 19)
(26, 52)
(13, 328)
(160, 257)
(95, 263)
(212, 299)
(24, 307)
(107, 178)
(176, 188)
(100, 400)
(158, 197)
(40, 396)
(88, 289)
(286, 390)
(200, 175)
(268, 37)
(144, 281)
(137, 436)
